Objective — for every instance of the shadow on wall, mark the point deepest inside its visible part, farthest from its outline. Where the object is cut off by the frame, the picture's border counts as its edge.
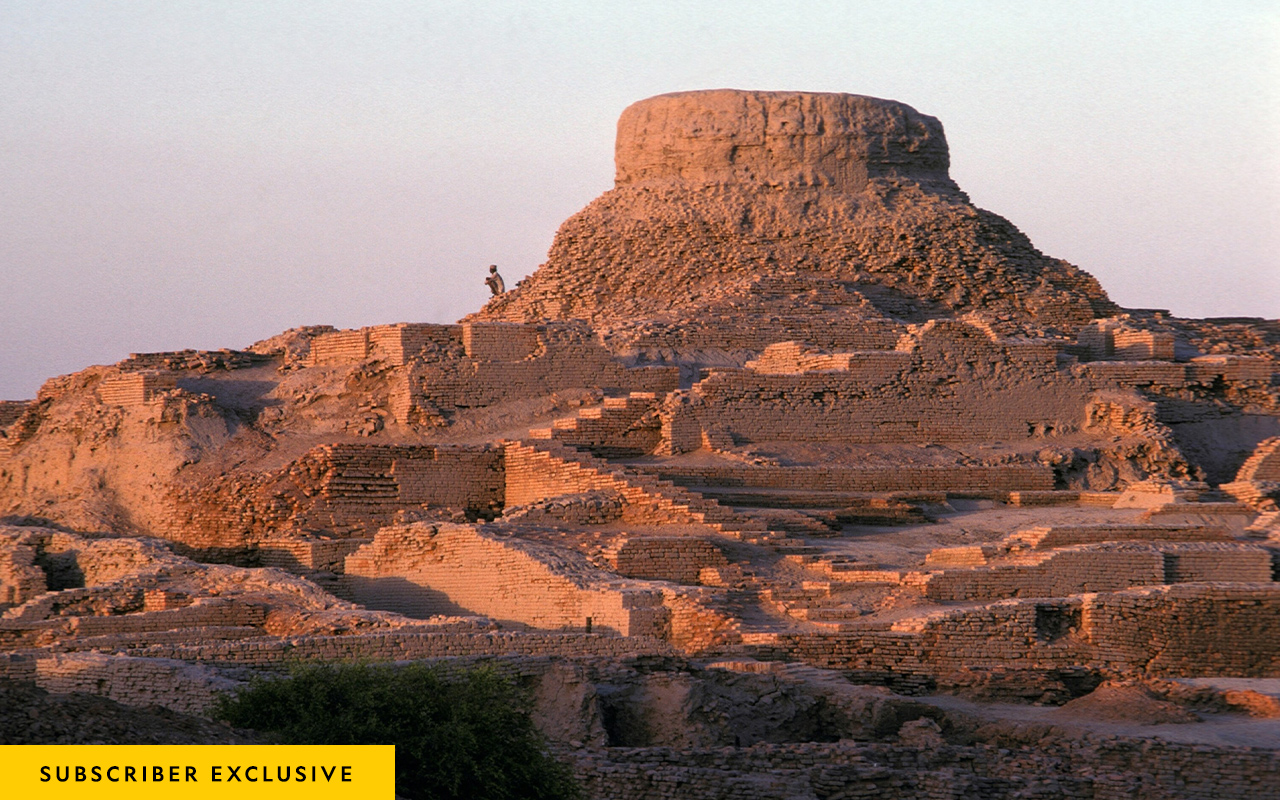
(1220, 446)
(402, 596)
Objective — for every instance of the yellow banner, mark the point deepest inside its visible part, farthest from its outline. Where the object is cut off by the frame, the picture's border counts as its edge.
(196, 772)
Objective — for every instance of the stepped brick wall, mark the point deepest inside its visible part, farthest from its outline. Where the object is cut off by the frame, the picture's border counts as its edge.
(534, 474)
(537, 470)
(621, 427)
(426, 569)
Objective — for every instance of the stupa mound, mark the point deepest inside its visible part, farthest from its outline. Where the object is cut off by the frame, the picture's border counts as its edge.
(798, 210)
(778, 139)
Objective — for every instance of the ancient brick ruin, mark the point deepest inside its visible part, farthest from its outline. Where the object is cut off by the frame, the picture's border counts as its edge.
(785, 467)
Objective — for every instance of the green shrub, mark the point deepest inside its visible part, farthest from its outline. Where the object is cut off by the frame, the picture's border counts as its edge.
(457, 735)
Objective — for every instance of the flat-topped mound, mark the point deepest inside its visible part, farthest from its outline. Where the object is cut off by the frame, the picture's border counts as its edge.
(764, 216)
(786, 139)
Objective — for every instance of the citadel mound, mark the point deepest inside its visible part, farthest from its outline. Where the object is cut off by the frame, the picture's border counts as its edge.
(788, 461)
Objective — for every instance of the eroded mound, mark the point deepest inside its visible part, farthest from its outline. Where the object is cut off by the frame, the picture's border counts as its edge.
(763, 207)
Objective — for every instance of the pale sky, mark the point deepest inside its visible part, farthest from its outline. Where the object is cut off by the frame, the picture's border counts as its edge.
(206, 174)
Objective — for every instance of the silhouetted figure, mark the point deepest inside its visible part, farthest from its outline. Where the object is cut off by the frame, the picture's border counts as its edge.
(494, 281)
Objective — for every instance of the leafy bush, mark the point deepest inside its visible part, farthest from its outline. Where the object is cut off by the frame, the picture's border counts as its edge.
(457, 734)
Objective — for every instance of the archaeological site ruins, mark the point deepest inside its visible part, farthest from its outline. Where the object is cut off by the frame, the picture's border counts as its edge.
(790, 474)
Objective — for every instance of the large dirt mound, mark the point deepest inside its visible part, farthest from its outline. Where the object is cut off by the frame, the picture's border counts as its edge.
(845, 200)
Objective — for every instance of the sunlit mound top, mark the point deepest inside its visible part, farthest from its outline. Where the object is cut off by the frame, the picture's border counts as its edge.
(803, 210)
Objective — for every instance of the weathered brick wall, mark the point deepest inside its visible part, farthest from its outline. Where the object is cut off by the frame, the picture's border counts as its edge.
(339, 347)
(667, 558)
(958, 478)
(135, 388)
(345, 490)
(1057, 769)
(620, 427)
(176, 685)
(11, 410)
(400, 645)
(1212, 561)
(399, 344)
(520, 361)
(1115, 340)
(1188, 629)
(1184, 630)
(1057, 575)
(206, 612)
(945, 382)
(424, 569)
(733, 333)
(1087, 568)
(20, 577)
(1263, 464)
(307, 553)
(1047, 537)
(501, 341)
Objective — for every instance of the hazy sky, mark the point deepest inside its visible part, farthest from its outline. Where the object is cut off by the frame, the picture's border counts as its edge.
(205, 174)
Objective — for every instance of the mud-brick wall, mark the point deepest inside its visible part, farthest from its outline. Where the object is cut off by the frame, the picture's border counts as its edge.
(944, 383)
(341, 491)
(512, 362)
(1058, 574)
(360, 487)
(20, 577)
(957, 478)
(1089, 767)
(11, 410)
(135, 388)
(391, 646)
(535, 474)
(186, 688)
(667, 558)
(399, 344)
(339, 347)
(427, 569)
(1196, 629)
(458, 477)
